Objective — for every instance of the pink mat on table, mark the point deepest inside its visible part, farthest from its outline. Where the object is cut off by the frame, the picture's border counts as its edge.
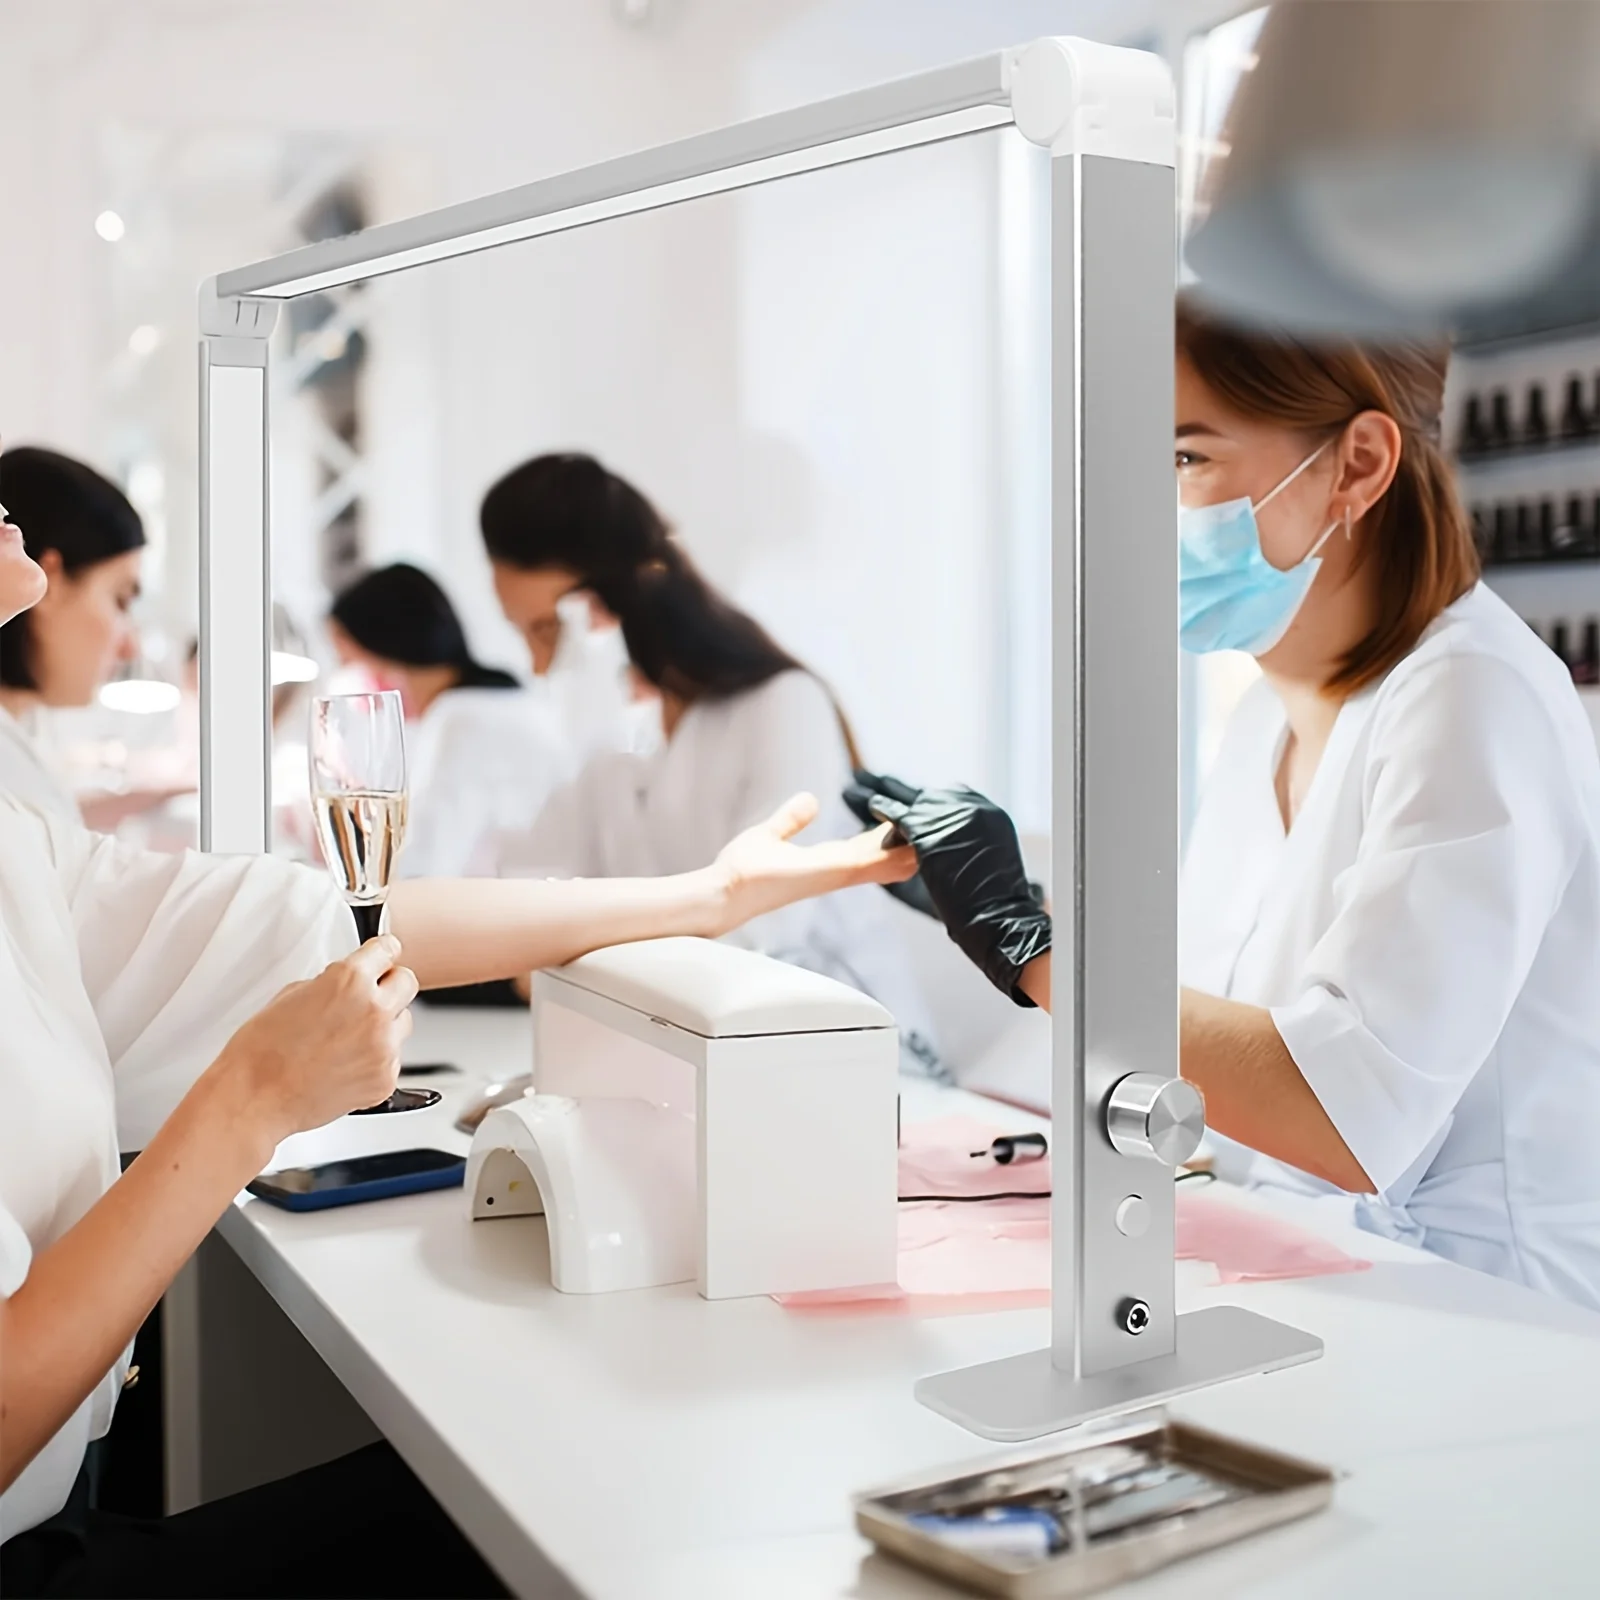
(958, 1257)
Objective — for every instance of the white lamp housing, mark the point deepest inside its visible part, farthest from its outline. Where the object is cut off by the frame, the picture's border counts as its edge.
(1411, 167)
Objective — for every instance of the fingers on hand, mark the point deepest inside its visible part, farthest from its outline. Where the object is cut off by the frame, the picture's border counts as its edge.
(797, 812)
(375, 957)
(897, 865)
(398, 986)
(887, 809)
(897, 790)
(858, 797)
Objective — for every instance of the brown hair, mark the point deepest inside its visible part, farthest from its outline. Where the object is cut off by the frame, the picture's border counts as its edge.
(567, 511)
(1418, 532)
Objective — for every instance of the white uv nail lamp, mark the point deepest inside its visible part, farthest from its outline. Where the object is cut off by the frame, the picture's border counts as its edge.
(1106, 116)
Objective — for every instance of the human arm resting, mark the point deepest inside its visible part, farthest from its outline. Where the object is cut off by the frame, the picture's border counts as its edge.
(469, 930)
(322, 1048)
(1255, 1093)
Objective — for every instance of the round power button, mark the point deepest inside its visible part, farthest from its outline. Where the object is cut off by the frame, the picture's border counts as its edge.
(1133, 1216)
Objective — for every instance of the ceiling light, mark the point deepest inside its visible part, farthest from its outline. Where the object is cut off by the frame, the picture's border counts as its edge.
(142, 696)
(110, 226)
(287, 667)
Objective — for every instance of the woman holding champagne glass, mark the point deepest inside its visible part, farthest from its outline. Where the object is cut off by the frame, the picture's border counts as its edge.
(200, 1009)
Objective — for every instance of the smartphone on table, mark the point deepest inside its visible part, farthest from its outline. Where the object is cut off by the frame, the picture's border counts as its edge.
(358, 1178)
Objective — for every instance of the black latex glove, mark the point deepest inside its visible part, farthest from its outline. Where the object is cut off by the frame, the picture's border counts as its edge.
(970, 866)
(867, 787)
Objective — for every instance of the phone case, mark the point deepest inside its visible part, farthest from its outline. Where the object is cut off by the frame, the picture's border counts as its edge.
(356, 1193)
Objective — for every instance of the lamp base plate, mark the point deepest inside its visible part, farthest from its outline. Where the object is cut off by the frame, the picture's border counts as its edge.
(1026, 1396)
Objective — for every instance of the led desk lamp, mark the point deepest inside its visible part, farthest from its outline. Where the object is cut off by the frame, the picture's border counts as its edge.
(1122, 1116)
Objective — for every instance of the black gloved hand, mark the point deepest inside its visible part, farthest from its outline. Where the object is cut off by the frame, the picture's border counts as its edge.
(970, 866)
(869, 786)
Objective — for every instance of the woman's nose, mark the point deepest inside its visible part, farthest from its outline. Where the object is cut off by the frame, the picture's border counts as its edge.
(128, 650)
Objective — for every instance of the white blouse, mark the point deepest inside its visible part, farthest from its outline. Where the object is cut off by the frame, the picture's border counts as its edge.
(481, 761)
(729, 764)
(122, 974)
(26, 774)
(1427, 936)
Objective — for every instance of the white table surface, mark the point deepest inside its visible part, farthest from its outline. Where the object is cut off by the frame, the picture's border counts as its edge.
(657, 1446)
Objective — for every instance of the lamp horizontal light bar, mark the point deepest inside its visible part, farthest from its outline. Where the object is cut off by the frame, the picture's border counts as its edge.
(913, 111)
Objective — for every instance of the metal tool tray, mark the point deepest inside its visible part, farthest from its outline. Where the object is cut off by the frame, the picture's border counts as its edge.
(1266, 1488)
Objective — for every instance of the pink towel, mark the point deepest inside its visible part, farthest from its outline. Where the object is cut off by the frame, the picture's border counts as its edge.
(1248, 1246)
(960, 1257)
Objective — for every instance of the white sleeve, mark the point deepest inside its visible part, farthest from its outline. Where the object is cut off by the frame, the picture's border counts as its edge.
(794, 742)
(178, 950)
(1471, 835)
(787, 740)
(561, 843)
(493, 758)
(16, 1254)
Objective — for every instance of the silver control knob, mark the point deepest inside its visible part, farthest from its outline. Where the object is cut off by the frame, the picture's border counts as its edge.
(1159, 1118)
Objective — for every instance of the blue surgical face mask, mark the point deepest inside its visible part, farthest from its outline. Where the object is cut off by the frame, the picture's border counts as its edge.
(1230, 597)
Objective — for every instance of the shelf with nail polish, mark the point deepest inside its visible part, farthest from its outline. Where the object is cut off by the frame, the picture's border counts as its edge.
(1542, 528)
(1578, 651)
(1494, 432)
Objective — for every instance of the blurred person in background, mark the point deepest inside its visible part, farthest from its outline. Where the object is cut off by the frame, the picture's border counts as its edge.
(741, 722)
(483, 753)
(88, 540)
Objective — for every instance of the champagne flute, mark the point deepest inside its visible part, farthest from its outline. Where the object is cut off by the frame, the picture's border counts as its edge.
(359, 799)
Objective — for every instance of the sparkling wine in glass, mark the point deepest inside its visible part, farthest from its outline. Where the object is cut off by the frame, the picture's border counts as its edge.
(359, 800)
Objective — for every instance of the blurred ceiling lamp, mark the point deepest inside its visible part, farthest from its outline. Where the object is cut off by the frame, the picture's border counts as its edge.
(288, 667)
(144, 697)
(110, 226)
(1407, 167)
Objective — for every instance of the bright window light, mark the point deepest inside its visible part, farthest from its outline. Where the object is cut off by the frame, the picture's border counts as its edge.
(110, 226)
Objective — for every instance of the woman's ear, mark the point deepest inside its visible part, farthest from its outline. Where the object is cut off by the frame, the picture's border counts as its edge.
(1369, 457)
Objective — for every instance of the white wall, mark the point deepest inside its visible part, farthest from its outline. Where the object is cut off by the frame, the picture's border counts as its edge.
(822, 384)
(894, 318)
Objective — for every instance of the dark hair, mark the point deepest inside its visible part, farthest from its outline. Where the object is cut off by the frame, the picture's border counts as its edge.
(61, 505)
(400, 614)
(1418, 533)
(568, 512)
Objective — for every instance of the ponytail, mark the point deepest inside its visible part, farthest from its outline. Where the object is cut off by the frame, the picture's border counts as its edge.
(568, 513)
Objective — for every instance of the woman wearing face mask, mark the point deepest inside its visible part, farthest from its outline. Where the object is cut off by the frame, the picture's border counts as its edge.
(200, 1009)
(89, 541)
(741, 720)
(483, 753)
(1390, 905)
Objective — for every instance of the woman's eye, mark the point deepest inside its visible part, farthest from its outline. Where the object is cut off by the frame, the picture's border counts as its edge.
(1187, 458)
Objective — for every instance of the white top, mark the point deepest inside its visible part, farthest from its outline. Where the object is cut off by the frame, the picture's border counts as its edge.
(122, 974)
(480, 761)
(483, 762)
(1427, 938)
(729, 764)
(719, 991)
(25, 771)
